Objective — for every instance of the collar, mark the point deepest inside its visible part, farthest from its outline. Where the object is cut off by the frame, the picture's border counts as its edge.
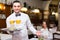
(17, 14)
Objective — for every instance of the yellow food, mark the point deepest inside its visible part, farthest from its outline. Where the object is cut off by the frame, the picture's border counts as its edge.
(11, 21)
(18, 21)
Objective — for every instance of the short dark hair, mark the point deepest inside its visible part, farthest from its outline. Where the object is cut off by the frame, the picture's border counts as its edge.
(16, 2)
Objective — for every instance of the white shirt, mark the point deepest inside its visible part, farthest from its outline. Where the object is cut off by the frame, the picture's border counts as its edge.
(24, 24)
(46, 34)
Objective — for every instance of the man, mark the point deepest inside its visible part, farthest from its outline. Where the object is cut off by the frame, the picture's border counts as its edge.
(20, 21)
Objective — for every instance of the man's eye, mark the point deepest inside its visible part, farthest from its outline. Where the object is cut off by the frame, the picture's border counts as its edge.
(14, 6)
(18, 6)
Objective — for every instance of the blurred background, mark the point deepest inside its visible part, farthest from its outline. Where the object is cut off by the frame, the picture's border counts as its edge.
(38, 10)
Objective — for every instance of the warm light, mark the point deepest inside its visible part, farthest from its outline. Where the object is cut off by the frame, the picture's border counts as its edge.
(46, 17)
(53, 13)
(56, 16)
(36, 11)
(24, 9)
(2, 7)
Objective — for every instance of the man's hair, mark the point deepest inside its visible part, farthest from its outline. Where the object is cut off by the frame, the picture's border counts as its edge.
(16, 2)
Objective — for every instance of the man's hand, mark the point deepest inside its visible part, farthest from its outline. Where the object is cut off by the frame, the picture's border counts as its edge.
(38, 33)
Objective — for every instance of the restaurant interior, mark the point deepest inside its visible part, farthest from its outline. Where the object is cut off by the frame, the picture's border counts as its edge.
(38, 11)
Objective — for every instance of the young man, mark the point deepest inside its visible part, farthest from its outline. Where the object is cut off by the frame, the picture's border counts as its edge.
(21, 22)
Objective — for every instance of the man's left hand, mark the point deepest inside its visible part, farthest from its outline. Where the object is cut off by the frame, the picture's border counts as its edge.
(38, 33)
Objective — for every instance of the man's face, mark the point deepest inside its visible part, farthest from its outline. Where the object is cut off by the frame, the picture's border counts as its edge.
(16, 7)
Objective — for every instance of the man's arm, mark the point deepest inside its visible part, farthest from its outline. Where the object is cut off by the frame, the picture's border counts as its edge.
(30, 26)
(7, 23)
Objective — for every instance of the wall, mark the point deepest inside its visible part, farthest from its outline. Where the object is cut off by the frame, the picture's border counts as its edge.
(44, 5)
(7, 13)
(33, 3)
